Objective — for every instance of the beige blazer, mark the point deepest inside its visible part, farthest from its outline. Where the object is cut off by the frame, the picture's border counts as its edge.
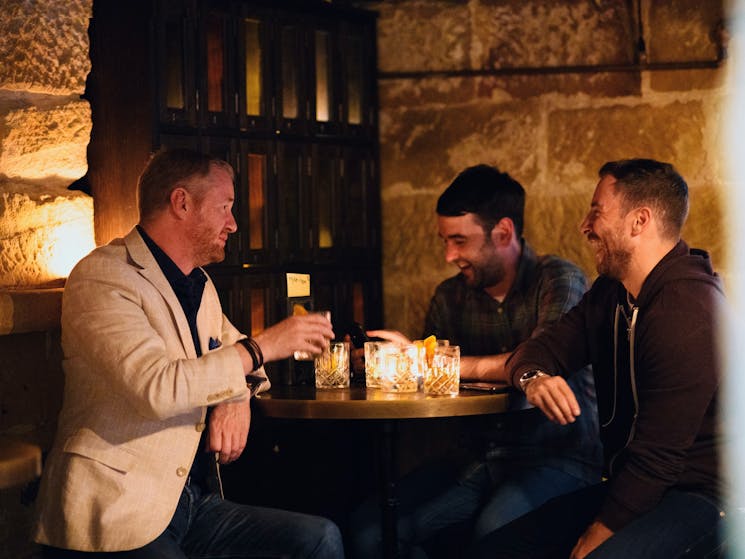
(134, 402)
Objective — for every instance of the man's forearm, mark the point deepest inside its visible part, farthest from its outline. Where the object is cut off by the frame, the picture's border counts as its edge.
(488, 368)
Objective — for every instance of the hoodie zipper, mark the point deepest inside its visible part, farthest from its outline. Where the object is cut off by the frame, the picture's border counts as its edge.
(631, 336)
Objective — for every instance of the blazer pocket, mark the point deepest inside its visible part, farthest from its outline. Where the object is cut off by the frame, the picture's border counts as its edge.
(91, 446)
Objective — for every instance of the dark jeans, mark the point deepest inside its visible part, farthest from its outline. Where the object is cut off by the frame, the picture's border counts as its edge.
(678, 523)
(205, 526)
(435, 498)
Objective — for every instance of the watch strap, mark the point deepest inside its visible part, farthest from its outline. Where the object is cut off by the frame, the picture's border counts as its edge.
(529, 377)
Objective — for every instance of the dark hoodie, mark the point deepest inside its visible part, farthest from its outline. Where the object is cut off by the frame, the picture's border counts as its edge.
(656, 373)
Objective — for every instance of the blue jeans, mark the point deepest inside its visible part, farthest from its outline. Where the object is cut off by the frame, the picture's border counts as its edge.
(671, 530)
(435, 498)
(205, 526)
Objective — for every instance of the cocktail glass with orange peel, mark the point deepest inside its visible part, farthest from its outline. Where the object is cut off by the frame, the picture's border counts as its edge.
(442, 377)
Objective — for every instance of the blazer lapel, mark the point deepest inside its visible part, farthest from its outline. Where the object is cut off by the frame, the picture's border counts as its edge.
(149, 269)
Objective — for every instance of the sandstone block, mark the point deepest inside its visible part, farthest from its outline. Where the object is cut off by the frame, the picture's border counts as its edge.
(687, 80)
(684, 30)
(581, 140)
(427, 148)
(422, 35)
(413, 259)
(538, 33)
(552, 225)
(706, 226)
(525, 86)
(44, 231)
(46, 142)
(45, 45)
(434, 91)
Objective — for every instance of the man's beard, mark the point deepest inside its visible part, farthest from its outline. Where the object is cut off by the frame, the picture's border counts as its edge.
(614, 262)
(486, 276)
(206, 249)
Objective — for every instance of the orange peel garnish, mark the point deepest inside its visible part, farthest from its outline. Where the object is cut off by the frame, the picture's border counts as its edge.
(429, 343)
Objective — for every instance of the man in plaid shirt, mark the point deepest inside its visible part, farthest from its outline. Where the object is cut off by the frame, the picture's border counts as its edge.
(503, 294)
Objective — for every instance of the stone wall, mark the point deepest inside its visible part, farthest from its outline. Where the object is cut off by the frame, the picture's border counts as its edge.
(44, 132)
(550, 122)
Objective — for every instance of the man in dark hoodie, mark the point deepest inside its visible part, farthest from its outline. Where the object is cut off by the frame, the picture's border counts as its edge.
(648, 326)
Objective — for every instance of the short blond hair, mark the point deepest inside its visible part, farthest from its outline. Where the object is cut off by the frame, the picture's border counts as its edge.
(168, 169)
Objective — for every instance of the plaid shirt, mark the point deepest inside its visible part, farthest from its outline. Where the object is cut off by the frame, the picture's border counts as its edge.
(545, 287)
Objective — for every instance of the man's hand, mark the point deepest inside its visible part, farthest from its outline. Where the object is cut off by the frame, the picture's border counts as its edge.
(389, 336)
(228, 429)
(310, 333)
(596, 533)
(554, 398)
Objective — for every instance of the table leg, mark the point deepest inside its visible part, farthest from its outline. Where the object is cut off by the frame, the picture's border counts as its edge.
(389, 505)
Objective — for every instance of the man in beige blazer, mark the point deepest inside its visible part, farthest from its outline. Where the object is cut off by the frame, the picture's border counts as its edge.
(147, 350)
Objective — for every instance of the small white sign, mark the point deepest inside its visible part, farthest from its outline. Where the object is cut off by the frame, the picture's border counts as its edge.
(298, 285)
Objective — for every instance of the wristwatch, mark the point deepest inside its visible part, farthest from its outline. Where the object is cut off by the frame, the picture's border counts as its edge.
(529, 377)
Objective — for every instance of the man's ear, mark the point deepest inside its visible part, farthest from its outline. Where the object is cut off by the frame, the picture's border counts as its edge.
(642, 217)
(502, 232)
(179, 202)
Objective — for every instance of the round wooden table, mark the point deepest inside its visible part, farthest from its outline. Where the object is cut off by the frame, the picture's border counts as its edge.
(20, 462)
(357, 403)
(307, 402)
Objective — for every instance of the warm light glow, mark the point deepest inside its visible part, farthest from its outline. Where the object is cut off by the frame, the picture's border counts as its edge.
(400, 370)
(253, 67)
(322, 76)
(354, 66)
(325, 239)
(258, 316)
(256, 179)
(67, 244)
(290, 107)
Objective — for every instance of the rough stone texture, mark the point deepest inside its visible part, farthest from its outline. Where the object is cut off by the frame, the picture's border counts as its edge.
(45, 45)
(503, 33)
(400, 93)
(413, 247)
(412, 93)
(437, 38)
(595, 84)
(677, 80)
(426, 148)
(539, 33)
(583, 139)
(684, 30)
(52, 142)
(43, 231)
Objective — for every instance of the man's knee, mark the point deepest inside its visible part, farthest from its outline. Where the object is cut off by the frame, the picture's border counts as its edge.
(328, 541)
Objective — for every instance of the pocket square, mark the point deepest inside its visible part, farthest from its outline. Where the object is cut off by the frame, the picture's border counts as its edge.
(214, 343)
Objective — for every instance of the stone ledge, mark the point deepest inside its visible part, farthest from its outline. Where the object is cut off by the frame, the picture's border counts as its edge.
(30, 310)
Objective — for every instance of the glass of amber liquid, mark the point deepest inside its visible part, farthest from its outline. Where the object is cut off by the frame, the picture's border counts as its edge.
(442, 376)
(332, 366)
